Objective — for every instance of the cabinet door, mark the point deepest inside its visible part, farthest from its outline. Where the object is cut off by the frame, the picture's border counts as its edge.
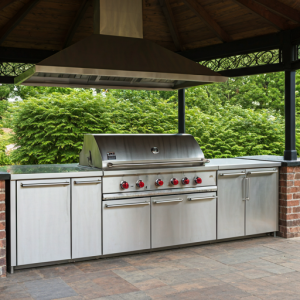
(43, 221)
(262, 206)
(86, 217)
(231, 203)
(126, 225)
(167, 221)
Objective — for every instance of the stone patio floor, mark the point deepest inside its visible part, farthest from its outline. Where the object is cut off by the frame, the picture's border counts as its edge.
(249, 269)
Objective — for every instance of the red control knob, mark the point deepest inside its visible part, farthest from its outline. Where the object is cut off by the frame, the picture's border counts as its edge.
(140, 184)
(198, 180)
(124, 185)
(185, 180)
(159, 182)
(174, 181)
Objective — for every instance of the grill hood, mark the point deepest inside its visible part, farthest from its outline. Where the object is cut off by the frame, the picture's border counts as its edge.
(136, 151)
(105, 61)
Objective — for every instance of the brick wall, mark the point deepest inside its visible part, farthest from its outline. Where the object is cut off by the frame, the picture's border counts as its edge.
(289, 202)
(2, 231)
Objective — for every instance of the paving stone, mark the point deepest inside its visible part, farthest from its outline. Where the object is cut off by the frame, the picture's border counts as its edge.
(254, 273)
(180, 276)
(283, 279)
(269, 266)
(132, 275)
(58, 271)
(161, 292)
(102, 265)
(49, 289)
(135, 296)
(13, 292)
(149, 284)
(20, 276)
(231, 278)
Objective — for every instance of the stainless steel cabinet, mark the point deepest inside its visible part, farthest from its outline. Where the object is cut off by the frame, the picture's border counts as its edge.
(247, 202)
(43, 221)
(86, 217)
(231, 204)
(126, 225)
(183, 219)
(262, 201)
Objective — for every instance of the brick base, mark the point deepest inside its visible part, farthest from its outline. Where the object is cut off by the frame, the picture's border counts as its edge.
(289, 202)
(2, 231)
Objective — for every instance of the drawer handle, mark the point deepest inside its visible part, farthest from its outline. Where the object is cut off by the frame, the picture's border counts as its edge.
(231, 174)
(44, 184)
(87, 182)
(168, 201)
(126, 204)
(202, 198)
(261, 172)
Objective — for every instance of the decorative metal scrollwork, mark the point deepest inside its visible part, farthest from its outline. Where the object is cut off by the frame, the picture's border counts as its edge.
(244, 60)
(13, 69)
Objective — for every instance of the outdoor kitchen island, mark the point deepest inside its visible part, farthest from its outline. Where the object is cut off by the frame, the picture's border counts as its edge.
(61, 213)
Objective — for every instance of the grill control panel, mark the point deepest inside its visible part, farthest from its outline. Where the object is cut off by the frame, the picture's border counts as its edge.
(131, 183)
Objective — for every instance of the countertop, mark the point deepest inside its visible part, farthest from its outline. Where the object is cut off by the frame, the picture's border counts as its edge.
(238, 163)
(17, 172)
(53, 171)
(274, 158)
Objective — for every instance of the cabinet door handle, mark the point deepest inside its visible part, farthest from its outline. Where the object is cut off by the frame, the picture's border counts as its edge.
(261, 172)
(87, 182)
(202, 198)
(168, 201)
(44, 184)
(247, 189)
(231, 174)
(127, 204)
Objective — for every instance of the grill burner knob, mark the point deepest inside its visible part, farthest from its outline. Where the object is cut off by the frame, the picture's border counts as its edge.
(159, 182)
(124, 185)
(185, 180)
(140, 184)
(198, 180)
(174, 181)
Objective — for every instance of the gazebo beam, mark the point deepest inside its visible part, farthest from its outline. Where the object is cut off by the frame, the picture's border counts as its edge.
(181, 111)
(167, 10)
(15, 21)
(261, 11)
(76, 22)
(5, 3)
(201, 13)
(281, 9)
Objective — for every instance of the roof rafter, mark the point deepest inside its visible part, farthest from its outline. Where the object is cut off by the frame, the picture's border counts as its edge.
(261, 11)
(76, 22)
(282, 9)
(167, 10)
(201, 13)
(5, 3)
(16, 19)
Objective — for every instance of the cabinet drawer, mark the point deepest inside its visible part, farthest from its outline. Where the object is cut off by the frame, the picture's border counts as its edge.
(43, 221)
(126, 225)
(183, 219)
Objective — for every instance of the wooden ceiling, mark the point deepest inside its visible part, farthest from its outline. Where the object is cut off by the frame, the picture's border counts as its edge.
(175, 24)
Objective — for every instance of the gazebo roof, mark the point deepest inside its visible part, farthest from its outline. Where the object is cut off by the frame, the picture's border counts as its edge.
(178, 25)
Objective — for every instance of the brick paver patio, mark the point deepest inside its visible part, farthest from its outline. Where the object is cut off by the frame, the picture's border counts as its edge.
(249, 269)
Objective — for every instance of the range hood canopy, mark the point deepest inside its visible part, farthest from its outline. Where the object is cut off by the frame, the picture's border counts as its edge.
(118, 57)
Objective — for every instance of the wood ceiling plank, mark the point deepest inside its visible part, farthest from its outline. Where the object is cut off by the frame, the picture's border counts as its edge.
(208, 20)
(14, 22)
(279, 22)
(5, 3)
(76, 22)
(167, 10)
(282, 9)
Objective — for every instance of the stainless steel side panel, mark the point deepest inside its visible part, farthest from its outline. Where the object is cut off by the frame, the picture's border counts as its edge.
(231, 203)
(262, 207)
(112, 184)
(43, 222)
(86, 217)
(183, 219)
(126, 227)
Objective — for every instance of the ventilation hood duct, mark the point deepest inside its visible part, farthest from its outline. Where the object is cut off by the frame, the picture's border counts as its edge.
(118, 57)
